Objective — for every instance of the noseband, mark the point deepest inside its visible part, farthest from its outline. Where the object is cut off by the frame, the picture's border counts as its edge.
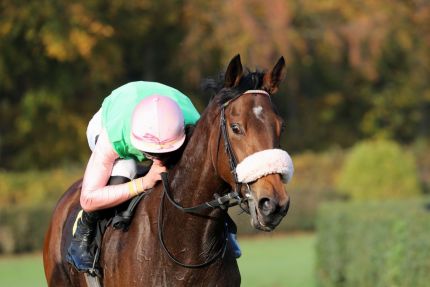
(223, 202)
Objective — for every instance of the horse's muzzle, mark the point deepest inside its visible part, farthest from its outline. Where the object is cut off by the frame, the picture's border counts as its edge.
(269, 214)
(268, 202)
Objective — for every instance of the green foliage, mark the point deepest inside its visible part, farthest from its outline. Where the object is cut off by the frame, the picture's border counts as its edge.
(55, 70)
(62, 124)
(35, 187)
(354, 70)
(379, 170)
(374, 244)
(22, 229)
(26, 204)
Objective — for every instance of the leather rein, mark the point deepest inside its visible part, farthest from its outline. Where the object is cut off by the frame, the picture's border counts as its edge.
(223, 202)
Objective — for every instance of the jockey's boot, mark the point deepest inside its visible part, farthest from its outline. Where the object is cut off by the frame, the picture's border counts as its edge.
(232, 238)
(234, 245)
(79, 253)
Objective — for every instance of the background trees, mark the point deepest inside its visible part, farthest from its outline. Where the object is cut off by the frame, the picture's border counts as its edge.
(356, 69)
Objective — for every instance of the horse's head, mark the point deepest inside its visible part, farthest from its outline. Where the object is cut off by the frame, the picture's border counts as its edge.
(247, 145)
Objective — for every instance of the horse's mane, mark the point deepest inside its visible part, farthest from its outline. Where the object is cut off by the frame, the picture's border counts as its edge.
(251, 80)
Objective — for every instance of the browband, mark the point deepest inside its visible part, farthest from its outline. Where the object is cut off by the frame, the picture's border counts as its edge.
(257, 92)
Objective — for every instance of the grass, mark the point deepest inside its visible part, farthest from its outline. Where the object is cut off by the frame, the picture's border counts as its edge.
(269, 261)
(25, 271)
(275, 261)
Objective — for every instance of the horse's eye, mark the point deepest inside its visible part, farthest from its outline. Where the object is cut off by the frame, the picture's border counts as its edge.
(235, 127)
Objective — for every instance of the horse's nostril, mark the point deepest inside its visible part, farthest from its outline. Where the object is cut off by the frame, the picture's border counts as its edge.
(266, 206)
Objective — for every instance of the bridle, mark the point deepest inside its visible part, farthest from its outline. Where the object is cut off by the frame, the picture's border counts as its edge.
(232, 157)
(223, 202)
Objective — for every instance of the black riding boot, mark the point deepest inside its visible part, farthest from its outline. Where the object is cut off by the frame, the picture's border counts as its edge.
(79, 254)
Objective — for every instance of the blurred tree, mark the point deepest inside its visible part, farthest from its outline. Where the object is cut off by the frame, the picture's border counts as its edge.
(45, 49)
(58, 60)
(343, 57)
(356, 69)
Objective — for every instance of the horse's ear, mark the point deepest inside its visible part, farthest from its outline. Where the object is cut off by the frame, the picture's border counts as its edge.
(273, 78)
(233, 73)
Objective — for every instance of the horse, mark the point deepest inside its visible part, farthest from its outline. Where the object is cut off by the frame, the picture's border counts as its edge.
(165, 245)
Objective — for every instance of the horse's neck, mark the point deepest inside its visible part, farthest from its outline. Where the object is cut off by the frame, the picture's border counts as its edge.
(194, 179)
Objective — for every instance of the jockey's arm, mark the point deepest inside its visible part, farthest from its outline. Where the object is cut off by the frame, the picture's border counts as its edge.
(95, 194)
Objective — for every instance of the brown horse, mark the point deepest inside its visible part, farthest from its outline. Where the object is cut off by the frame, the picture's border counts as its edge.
(136, 257)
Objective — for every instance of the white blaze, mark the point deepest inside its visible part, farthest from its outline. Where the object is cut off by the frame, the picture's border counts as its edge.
(258, 111)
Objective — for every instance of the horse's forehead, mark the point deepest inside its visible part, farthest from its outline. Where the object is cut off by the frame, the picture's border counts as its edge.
(258, 112)
(258, 107)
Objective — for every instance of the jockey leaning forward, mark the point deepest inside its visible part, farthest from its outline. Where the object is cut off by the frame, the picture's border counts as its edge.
(137, 121)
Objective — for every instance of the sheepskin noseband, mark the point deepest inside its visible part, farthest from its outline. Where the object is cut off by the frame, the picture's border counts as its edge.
(263, 163)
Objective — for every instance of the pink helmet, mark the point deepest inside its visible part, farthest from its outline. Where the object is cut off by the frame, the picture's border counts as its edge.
(157, 125)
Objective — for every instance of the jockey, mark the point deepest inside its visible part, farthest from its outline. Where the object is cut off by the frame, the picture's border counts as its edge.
(138, 121)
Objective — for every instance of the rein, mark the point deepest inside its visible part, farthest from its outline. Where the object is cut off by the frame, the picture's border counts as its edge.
(224, 202)
(221, 202)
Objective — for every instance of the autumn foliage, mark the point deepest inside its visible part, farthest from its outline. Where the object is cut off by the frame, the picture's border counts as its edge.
(356, 69)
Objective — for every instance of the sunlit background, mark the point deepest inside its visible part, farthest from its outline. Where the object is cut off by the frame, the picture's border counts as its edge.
(356, 100)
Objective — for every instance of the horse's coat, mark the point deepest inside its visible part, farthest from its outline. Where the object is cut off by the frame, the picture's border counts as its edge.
(134, 258)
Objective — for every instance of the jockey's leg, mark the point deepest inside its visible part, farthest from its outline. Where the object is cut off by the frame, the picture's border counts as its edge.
(232, 231)
(235, 245)
(79, 251)
(123, 171)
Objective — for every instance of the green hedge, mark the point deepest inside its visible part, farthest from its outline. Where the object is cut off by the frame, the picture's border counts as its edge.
(379, 169)
(22, 229)
(27, 200)
(36, 187)
(374, 244)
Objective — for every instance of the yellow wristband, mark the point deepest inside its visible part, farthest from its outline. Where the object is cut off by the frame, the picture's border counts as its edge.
(132, 189)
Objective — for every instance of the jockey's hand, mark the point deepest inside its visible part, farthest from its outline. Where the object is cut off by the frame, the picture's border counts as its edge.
(153, 175)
